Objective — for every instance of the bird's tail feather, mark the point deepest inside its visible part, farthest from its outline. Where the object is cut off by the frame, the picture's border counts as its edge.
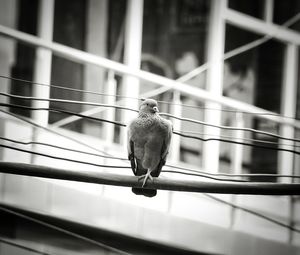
(144, 192)
(141, 191)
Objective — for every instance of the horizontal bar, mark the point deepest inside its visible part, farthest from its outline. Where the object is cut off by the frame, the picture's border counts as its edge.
(194, 92)
(259, 26)
(157, 183)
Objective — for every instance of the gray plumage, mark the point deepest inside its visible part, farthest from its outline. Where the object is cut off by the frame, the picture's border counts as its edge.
(149, 137)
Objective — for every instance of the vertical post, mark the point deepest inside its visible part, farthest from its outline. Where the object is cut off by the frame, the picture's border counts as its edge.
(268, 10)
(215, 46)
(132, 57)
(111, 88)
(237, 157)
(42, 69)
(288, 108)
(96, 43)
(8, 13)
(177, 111)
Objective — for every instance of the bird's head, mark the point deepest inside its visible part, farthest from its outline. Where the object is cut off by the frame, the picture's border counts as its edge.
(149, 106)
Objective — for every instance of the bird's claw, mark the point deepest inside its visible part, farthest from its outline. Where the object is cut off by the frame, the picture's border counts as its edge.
(146, 176)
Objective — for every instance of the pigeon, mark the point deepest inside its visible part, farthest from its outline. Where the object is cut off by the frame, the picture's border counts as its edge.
(149, 137)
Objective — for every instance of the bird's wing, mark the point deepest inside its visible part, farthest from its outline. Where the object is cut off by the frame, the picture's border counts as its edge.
(165, 148)
(167, 141)
(130, 149)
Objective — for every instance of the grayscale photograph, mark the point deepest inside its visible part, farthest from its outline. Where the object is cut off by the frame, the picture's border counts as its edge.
(149, 127)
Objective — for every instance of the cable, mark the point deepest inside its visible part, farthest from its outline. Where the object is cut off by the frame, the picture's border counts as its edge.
(235, 175)
(113, 166)
(50, 130)
(26, 248)
(97, 150)
(120, 96)
(60, 158)
(66, 101)
(51, 109)
(230, 128)
(203, 175)
(253, 213)
(236, 142)
(243, 139)
(126, 108)
(174, 132)
(195, 172)
(61, 148)
(81, 237)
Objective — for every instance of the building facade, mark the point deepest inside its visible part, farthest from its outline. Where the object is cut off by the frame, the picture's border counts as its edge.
(225, 63)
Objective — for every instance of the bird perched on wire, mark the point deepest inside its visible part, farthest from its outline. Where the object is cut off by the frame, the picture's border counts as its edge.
(149, 137)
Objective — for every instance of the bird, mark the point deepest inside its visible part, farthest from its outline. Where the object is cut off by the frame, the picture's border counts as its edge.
(149, 137)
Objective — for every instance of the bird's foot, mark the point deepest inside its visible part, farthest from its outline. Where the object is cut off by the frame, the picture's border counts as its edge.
(146, 176)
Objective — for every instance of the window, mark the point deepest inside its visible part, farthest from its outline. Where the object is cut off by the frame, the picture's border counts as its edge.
(254, 8)
(255, 77)
(174, 43)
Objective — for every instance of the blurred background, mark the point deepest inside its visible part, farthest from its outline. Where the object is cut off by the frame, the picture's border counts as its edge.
(226, 63)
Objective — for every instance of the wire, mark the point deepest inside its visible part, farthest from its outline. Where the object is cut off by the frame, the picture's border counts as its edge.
(61, 148)
(50, 130)
(66, 101)
(235, 175)
(51, 109)
(126, 108)
(81, 237)
(60, 158)
(195, 172)
(253, 213)
(29, 249)
(203, 175)
(236, 142)
(100, 151)
(174, 132)
(230, 128)
(235, 138)
(110, 166)
(120, 96)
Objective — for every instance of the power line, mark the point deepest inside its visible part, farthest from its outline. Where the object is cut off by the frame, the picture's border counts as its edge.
(61, 148)
(66, 101)
(194, 172)
(51, 109)
(60, 158)
(236, 142)
(130, 109)
(87, 176)
(51, 130)
(120, 96)
(100, 151)
(162, 114)
(243, 139)
(235, 175)
(114, 166)
(174, 132)
(231, 128)
(81, 237)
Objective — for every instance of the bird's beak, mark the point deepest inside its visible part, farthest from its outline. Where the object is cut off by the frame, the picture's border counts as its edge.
(155, 109)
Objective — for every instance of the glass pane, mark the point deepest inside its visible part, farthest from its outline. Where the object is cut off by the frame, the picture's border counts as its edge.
(174, 43)
(297, 133)
(286, 10)
(69, 29)
(254, 77)
(25, 56)
(254, 8)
